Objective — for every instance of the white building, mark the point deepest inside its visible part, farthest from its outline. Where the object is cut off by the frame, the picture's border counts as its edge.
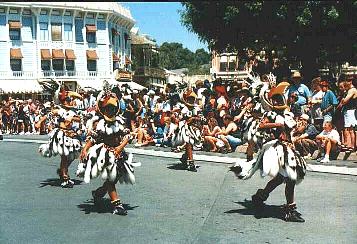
(79, 43)
(225, 66)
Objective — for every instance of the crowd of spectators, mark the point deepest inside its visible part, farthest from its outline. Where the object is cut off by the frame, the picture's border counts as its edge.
(325, 114)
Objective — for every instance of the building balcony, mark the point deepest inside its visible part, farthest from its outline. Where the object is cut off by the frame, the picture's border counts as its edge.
(63, 74)
(56, 45)
(150, 72)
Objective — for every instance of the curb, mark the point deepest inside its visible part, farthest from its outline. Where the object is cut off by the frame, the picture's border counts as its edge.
(215, 159)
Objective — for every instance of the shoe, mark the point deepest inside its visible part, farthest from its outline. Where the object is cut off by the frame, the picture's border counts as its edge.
(292, 215)
(96, 199)
(67, 184)
(191, 167)
(258, 199)
(320, 158)
(119, 208)
(325, 160)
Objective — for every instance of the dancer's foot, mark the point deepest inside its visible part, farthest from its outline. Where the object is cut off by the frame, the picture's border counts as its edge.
(258, 198)
(67, 184)
(96, 199)
(119, 208)
(191, 166)
(292, 215)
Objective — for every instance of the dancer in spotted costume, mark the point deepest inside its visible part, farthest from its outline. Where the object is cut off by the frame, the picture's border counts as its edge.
(277, 156)
(65, 137)
(103, 154)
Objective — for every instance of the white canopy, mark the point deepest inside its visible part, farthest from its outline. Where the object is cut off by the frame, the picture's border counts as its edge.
(133, 85)
(20, 86)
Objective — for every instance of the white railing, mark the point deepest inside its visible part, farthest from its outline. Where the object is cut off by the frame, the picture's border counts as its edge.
(55, 45)
(54, 74)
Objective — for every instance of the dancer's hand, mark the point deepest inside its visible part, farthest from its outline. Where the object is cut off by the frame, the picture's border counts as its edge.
(83, 154)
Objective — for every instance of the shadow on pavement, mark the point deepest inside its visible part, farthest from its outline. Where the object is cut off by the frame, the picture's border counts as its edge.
(57, 182)
(178, 166)
(268, 211)
(103, 207)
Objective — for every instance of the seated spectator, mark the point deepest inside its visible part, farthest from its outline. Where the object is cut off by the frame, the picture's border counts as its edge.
(304, 137)
(142, 134)
(230, 135)
(209, 132)
(328, 141)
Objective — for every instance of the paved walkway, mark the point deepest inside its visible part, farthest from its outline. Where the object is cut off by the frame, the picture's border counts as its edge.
(166, 205)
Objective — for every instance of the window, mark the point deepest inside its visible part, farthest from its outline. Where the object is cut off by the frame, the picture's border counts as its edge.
(15, 64)
(91, 37)
(15, 34)
(92, 65)
(26, 12)
(68, 34)
(125, 40)
(44, 31)
(55, 12)
(14, 11)
(2, 10)
(223, 66)
(68, 13)
(56, 31)
(101, 16)
(90, 16)
(57, 64)
(43, 12)
(70, 65)
(46, 65)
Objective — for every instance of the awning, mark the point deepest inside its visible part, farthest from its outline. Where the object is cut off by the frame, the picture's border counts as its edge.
(46, 54)
(92, 55)
(115, 57)
(58, 54)
(15, 53)
(20, 86)
(91, 28)
(70, 54)
(133, 85)
(14, 25)
(94, 84)
(127, 60)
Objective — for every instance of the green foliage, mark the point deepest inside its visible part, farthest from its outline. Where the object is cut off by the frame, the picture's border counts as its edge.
(305, 29)
(174, 56)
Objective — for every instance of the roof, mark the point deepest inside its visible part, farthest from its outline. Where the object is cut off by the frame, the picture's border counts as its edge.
(140, 40)
(179, 71)
(112, 7)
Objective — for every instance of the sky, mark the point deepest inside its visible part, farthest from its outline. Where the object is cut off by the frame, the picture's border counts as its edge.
(161, 21)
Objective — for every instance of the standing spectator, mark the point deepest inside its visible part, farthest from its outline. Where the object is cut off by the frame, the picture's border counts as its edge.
(329, 102)
(303, 92)
(328, 141)
(316, 99)
(348, 105)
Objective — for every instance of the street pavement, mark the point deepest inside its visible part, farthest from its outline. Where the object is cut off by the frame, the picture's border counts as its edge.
(166, 205)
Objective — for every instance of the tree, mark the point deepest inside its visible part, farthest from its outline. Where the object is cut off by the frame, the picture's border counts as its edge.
(174, 56)
(311, 31)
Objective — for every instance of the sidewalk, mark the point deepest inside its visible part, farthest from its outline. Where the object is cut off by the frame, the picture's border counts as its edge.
(339, 166)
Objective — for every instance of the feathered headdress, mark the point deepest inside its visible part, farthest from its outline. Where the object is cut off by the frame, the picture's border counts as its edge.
(108, 103)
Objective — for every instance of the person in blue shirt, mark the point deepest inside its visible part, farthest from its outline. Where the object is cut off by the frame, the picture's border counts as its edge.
(329, 102)
(302, 91)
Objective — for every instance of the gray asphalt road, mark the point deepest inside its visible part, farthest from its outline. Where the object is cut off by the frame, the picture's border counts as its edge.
(166, 206)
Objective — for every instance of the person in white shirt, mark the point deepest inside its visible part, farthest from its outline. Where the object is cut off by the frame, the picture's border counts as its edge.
(328, 140)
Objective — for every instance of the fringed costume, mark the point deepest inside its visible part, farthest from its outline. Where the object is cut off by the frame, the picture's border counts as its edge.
(104, 155)
(65, 137)
(189, 131)
(277, 156)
